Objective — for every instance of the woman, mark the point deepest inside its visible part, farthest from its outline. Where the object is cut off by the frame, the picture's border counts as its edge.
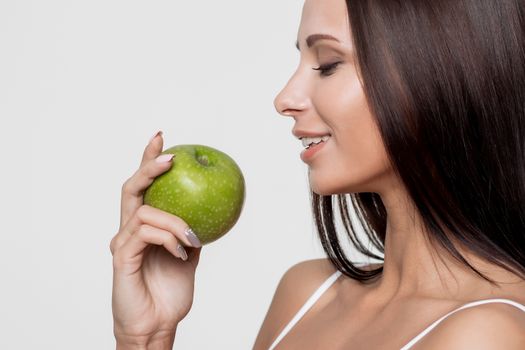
(415, 111)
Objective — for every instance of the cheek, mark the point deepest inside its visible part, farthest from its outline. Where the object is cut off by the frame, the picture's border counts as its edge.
(342, 106)
(340, 94)
(357, 159)
(350, 170)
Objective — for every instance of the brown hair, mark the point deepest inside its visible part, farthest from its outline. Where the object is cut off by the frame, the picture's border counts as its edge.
(445, 81)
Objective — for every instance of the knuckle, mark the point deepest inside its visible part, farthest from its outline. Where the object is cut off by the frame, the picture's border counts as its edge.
(142, 230)
(126, 186)
(113, 243)
(142, 211)
(177, 225)
(112, 246)
(170, 237)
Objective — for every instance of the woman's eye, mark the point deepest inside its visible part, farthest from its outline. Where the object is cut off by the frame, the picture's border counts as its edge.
(327, 69)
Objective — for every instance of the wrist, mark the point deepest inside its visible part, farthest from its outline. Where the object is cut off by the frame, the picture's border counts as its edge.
(160, 341)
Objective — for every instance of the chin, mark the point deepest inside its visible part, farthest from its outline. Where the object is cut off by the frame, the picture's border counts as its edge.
(326, 183)
(326, 192)
(324, 188)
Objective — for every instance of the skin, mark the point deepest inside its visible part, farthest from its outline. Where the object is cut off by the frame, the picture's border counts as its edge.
(153, 288)
(354, 160)
(153, 282)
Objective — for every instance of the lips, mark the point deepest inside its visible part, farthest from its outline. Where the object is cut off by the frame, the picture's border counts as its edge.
(309, 133)
(308, 153)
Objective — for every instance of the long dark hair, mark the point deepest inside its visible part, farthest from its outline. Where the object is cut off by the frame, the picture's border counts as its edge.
(445, 81)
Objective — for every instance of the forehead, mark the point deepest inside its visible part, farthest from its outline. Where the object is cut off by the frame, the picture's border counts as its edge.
(325, 17)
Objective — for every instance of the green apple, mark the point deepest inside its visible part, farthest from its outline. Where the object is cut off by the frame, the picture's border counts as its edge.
(204, 187)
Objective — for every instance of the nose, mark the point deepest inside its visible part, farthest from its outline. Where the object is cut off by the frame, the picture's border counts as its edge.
(292, 100)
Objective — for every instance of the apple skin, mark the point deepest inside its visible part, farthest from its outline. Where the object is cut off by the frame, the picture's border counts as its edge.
(204, 187)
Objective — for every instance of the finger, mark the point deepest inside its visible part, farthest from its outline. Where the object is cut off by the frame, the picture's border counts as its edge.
(133, 189)
(146, 235)
(153, 149)
(157, 218)
(130, 203)
(193, 255)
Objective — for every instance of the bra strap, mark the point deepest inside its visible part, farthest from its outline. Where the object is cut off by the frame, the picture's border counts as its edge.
(311, 301)
(471, 304)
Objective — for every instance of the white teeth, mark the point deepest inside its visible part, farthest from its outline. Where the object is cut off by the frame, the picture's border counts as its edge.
(308, 141)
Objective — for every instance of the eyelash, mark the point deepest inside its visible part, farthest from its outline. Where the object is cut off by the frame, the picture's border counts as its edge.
(326, 69)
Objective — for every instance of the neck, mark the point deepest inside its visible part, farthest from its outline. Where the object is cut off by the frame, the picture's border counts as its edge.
(414, 268)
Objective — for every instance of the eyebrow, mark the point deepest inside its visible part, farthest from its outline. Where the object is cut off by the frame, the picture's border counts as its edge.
(312, 39)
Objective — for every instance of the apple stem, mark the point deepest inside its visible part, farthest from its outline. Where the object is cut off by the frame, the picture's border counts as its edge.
(203, 160)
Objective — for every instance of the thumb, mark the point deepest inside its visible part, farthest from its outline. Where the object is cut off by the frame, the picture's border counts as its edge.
(154, 148)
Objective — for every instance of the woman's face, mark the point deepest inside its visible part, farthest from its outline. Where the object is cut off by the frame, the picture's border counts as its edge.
(332, 103)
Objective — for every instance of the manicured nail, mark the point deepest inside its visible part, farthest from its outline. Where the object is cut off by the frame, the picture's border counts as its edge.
(164, 158)
(195, 242)
(182, 252)
(157, 133)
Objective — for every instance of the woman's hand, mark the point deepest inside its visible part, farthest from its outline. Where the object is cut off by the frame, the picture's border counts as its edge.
(153, 283)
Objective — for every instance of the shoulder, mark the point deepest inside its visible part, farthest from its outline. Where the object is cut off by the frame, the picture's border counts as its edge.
(307, 275)
(488, 326)
(300, 281)
(294, 288)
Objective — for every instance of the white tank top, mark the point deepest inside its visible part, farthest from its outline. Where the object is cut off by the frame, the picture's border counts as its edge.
(330, 280)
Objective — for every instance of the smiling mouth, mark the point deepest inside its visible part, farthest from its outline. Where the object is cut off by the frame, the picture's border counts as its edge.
(310, 141)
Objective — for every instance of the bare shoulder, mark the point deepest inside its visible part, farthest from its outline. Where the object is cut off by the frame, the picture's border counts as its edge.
(308, 275)
(294, 288)
(486, 327)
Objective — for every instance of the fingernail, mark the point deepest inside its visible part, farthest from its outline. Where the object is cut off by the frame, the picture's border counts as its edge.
(157, 133)
(195, 242)
(182, 252)
(164, 158)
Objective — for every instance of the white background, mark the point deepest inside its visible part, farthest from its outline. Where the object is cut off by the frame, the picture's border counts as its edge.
(83, 86)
